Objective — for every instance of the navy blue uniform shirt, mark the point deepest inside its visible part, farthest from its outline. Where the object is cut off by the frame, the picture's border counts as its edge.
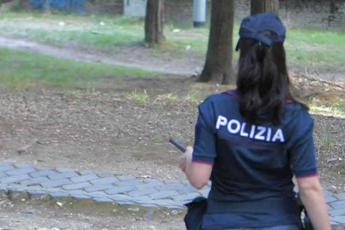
(253, 165)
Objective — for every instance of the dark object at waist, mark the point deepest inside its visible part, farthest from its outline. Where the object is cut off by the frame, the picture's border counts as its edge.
(257, 206)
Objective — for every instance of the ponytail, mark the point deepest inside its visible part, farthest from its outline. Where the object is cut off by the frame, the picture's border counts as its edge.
(262, 81)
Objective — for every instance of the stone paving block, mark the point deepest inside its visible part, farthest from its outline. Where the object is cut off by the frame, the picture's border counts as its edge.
(122, 202)
(34, 181)
(337, 212)
(33, 187)
(38, 168)
(102, 199)
(2, 175)
(126, 178)
(21, 165)
(149, 205)
(59, 194)
(340, 196)
(6, 167)
(76, 186)
(329, 207)
(327, 193)
(186, 197)
(56, 183)
(62, 175)
(12, 179)
(174, 206)
(51, 189)
(142, 192)
(100, 187)
(164, 202)
(36, 191)
(150, 185)
(142, 200)
(173, 185)
(86, 172)
(16, 189)
(122, 189)
(338, 219)
(105, 174)
(154, 184)
(97, 194)
(22, 171)
(105, 180)
(78, 194)
(130, 183)
(119, 197)
(6, 163)
(64, 170)
(181, 203)
(330, 199)
(84, 178)
(205, 191)
(338, 204)
(151, 180)
(187, 188)
(43, 172)
(164, 194)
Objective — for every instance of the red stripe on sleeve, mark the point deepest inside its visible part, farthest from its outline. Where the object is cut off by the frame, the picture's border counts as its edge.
(203, 162)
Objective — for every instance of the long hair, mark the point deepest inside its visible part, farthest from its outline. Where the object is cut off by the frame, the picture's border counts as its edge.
(262, 81)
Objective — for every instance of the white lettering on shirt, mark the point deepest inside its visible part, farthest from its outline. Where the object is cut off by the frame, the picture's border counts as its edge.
(246, 130)
(279, 135)
(243, 133)
(260, 134)
(221, 121)
(234, 126)
(252, 131)
(269, 133)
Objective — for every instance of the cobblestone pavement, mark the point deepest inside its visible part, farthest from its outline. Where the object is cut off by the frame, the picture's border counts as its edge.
(105, 187)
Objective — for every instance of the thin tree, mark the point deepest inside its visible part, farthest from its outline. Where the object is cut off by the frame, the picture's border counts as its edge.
(261, 6)
(218, 64)
(154, 22)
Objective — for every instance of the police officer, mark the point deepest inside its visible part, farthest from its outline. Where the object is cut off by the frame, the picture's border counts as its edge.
(252, 140)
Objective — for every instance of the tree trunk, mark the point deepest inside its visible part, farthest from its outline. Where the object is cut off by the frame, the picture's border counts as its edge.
(218, 64)
(154, 22)
(261, 6)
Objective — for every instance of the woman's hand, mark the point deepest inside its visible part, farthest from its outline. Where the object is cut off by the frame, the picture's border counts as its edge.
(198, 173)
(185, 158)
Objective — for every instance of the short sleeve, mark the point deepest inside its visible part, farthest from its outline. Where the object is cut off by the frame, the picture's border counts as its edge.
(302, 150)
(204, 142)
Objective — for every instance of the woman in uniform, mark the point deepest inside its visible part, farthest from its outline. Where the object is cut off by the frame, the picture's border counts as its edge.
(252, 140)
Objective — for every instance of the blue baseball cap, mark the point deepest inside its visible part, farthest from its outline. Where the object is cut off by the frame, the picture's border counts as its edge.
(266, 28)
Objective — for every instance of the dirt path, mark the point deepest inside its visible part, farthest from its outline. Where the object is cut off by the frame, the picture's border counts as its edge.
(136, 56)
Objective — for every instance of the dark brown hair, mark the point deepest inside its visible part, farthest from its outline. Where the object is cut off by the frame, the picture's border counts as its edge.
(262, 82)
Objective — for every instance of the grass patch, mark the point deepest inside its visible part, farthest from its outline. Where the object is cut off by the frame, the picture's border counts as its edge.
(138, 96)
(328, 107)
(320, 37)
(320, 50)
(25, 69)
(102, 33)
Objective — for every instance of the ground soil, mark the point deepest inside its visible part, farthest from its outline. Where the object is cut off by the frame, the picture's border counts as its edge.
(107, 130)
(21, 214)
